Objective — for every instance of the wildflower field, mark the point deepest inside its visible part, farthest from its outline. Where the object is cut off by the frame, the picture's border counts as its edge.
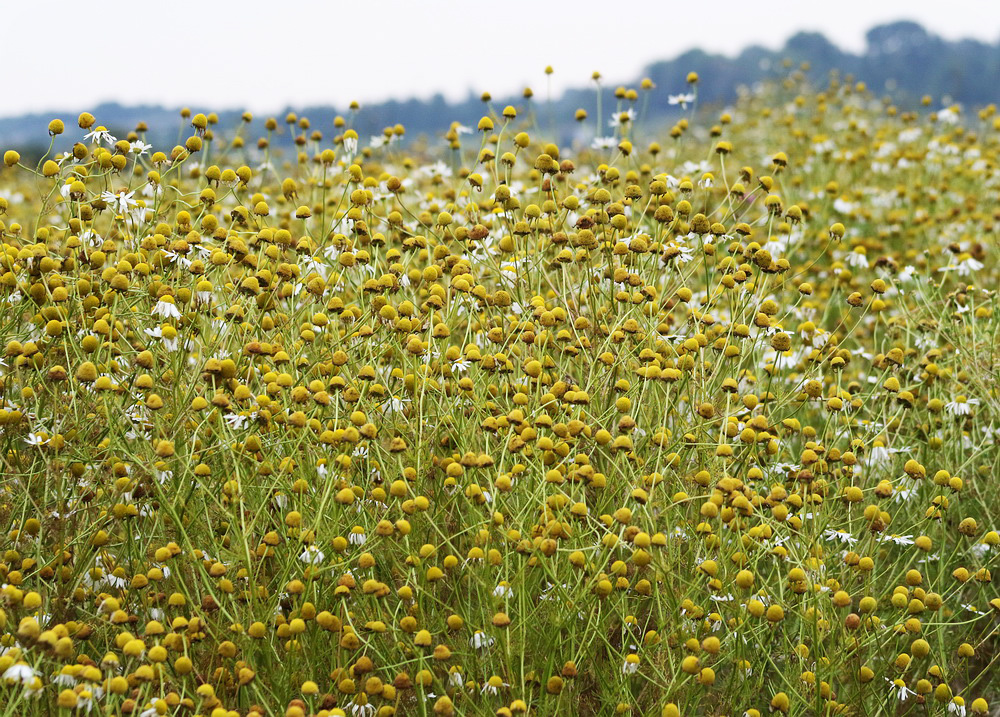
(698, 419)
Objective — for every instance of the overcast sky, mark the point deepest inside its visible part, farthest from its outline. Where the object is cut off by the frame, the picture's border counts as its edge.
(264, 55)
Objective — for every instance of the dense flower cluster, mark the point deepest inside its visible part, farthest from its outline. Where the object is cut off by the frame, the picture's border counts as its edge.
(702, 425)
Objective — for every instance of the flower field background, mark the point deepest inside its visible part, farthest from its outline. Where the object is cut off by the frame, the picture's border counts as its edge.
(689, 420)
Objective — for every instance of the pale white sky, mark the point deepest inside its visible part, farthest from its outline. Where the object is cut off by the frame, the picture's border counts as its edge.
(265, 54)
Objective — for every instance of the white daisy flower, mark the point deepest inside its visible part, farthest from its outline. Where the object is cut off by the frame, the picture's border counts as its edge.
(19, 672)
(631, 664)
(480, 640)
(312, 555)
(899, 690)
(122, 201)
(682, 99)
(961, 406)
(101, 135)
(503, 590)
(166, 308)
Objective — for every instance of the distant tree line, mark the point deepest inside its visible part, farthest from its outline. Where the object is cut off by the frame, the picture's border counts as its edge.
(901, 59)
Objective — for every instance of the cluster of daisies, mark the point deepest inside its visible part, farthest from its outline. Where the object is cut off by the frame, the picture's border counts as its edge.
(689, 420)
